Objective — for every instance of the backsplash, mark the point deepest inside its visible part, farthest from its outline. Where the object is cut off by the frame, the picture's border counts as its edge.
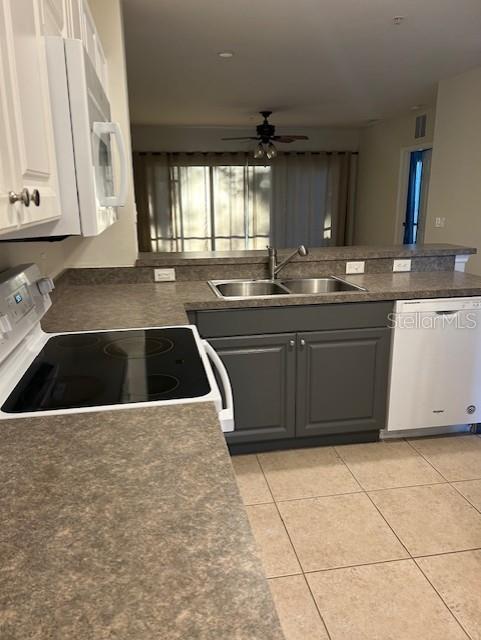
(184, 272)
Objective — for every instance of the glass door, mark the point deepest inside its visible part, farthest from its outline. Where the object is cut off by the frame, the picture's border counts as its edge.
(419, 170)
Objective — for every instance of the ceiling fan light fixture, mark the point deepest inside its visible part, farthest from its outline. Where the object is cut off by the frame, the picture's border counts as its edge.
(271, 151)
(259, 152)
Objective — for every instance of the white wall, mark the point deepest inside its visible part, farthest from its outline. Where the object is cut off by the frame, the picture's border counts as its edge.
(380, 156)
(168, 138)
(117, 246)
(455, 189)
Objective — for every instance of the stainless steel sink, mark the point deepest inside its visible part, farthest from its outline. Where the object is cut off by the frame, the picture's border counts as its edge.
(240, 289)
(313, 286)
(248, 288)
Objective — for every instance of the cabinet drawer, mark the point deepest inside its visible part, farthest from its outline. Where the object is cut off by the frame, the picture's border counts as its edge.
(235, 322)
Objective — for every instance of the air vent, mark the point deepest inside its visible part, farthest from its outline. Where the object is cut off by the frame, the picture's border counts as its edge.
(420, 129)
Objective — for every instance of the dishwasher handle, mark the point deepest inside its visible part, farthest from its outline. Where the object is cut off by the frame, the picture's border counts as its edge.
(226, 415)
(447, 312)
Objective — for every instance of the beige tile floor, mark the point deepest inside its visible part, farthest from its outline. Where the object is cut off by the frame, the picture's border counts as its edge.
(376, 541)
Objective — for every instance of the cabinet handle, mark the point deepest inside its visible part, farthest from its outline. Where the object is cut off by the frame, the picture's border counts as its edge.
(292, 344)
(36, 197)
(302, 343)
(23, 196)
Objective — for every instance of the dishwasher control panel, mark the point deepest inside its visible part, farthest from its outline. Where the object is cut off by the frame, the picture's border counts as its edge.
(437, 304)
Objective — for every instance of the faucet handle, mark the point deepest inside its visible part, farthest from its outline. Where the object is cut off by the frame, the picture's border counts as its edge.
(272, 251)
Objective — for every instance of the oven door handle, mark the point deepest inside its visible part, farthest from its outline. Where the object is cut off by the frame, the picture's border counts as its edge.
(226, 416)
(113, 128)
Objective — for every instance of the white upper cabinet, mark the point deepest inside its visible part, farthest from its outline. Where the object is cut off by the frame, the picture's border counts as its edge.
(28, 165)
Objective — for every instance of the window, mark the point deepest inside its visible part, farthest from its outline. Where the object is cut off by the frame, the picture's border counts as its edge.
(211, 201)
(209, 206)
(219, 208)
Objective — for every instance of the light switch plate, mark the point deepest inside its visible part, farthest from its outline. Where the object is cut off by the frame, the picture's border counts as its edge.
(355, 267)
(164, 275)
(440, 223)
(402, 265)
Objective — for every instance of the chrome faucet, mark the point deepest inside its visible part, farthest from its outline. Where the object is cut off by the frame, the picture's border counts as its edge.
(275, 267)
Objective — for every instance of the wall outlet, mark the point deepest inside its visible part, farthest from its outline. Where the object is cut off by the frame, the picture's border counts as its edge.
(164, 275)
(355, 267)
(439, 223)
(402, 265)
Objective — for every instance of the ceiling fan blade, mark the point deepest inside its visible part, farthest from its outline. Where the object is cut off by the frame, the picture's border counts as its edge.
(288, 138)
(247, 138)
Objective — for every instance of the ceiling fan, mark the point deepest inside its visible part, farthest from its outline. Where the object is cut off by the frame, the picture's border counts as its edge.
(266, 135)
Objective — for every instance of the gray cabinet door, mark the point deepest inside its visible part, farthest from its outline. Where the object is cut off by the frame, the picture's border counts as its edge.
(262, 370)
(342, 381)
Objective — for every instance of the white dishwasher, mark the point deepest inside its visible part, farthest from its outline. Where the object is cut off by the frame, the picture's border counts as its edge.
(435, 376)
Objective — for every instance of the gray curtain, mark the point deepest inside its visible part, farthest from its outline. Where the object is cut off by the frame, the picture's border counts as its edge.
(313, 199)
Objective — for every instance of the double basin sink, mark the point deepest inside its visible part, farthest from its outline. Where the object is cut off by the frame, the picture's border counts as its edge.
(238, 289)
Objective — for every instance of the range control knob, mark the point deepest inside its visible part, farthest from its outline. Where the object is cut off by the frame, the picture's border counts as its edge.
(45, 285)
(5, 324)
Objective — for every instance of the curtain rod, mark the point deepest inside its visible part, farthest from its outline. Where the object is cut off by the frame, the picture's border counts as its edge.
(236, 153)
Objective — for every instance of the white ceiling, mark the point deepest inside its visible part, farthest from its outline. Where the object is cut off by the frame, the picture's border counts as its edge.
(313, 62)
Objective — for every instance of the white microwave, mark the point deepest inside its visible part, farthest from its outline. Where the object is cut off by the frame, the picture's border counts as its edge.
(85, 142)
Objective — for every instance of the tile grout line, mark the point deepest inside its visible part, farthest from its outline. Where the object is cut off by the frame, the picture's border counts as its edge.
(468, 635)
(411, 485)
(378, 510)
(453, 485)
(329, 495)
(361, 490)
(426, 460)
(445, 553)
(356, 566)
(294, 549)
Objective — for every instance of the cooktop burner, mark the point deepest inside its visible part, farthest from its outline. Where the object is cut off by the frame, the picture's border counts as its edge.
(138, 347)
(109, 368)
(158, 384)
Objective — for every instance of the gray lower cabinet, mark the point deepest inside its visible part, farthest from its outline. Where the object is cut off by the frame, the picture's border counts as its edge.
(262, 370)
(303, 374)
(341, 381)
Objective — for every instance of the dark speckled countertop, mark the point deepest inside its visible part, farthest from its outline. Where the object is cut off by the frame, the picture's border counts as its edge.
(109, 306)
(126, 524)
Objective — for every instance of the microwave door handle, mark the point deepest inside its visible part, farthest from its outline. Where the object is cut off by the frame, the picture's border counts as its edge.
(113, 128)
(226, 416)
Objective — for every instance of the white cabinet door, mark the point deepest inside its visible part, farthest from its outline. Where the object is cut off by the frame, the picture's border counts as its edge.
(28, 115)
(8, 211)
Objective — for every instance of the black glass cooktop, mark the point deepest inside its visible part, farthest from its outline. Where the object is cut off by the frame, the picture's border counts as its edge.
(111, 367)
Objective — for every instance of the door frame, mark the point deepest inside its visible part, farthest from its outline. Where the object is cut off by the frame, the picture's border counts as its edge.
(403, 185)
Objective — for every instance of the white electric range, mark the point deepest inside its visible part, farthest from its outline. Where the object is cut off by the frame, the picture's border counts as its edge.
(61, 373)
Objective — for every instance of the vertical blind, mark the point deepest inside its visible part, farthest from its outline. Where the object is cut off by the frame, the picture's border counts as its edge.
(223, 202)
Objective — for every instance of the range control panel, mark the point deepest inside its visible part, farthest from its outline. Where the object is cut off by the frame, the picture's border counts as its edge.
(19, 303)
(24, 300)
